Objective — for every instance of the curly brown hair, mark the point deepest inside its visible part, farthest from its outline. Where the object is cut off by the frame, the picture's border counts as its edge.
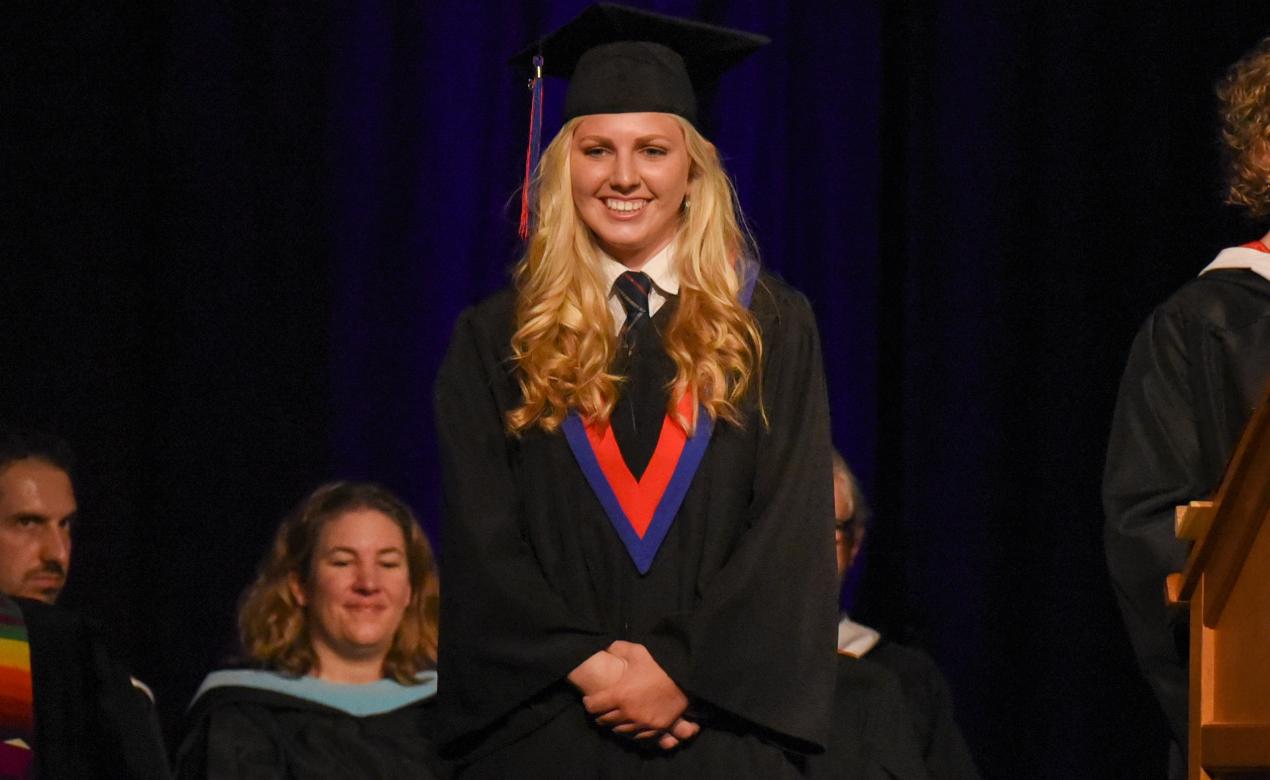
(1244, 96)
(273, 626)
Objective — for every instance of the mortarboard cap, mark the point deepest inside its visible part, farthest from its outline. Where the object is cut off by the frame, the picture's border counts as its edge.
(620, 60)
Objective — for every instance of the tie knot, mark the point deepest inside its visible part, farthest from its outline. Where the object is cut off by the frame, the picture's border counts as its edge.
(632, 289)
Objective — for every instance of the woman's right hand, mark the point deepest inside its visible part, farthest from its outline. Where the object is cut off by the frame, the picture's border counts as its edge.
(600, 672)
(680, 731)
(645, 703)
(597, 673)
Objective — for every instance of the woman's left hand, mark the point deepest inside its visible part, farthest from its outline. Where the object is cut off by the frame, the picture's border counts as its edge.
(644, 702)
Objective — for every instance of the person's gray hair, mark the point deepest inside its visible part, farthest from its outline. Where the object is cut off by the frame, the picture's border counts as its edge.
(863, 513)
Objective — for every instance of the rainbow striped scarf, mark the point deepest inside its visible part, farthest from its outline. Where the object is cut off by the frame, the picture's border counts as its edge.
(17, 710)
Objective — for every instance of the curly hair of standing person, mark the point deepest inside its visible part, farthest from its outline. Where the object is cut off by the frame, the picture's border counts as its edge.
(1244, 98)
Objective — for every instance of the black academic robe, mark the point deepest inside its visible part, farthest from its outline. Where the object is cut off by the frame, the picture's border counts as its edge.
(738, 606)
(90, 720)
(872, 735)
(237, 732)
(1197, 368)
(929, 703)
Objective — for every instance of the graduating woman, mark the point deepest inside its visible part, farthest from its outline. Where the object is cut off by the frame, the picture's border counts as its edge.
(342, 621)
(635, 442)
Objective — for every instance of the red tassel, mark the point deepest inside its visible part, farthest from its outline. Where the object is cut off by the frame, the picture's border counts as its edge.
(534, 148)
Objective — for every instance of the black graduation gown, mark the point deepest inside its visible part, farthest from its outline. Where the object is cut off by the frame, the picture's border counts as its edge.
(738, 606)
(237, 732)
(929, 703)
(90, 720)
(1197, 368)
(872, 735)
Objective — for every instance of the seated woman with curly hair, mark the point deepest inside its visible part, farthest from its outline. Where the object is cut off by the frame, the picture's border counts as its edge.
(340, 629)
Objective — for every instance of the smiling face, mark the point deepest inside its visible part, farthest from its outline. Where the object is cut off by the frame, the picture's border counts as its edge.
(630, 175)
(37, 506)
(358, 588)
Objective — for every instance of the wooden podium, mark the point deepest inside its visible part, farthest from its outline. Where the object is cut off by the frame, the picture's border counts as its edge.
(1227, 584)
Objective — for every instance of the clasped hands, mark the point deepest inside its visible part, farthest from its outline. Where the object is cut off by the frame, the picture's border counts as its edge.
(626, 689)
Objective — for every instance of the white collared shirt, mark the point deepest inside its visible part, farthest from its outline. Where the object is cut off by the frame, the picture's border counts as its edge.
(660, 268)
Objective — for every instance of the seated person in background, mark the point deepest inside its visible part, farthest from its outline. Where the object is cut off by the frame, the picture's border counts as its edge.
(61, 692)
(37, 505)
(925, 690)
(342, 623)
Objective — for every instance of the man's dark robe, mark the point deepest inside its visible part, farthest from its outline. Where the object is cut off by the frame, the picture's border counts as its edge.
(90, 720)
(1196, 369)
(738, 606)
(929, 703)
(872, 735)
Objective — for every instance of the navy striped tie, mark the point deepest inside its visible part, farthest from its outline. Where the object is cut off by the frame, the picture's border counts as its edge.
(632, 290)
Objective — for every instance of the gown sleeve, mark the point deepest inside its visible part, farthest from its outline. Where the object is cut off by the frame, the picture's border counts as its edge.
(130, 719)
(91, 720)
(760, 644)
(1153, 464)
(506, 635)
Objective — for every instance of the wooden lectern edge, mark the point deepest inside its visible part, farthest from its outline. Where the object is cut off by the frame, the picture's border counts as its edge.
(1214, 564)
(1196, 564)
(1235, 538)
(1173, 590)
(1192, 521)
(1235, 747)
(1191, 573)
(1197, 561)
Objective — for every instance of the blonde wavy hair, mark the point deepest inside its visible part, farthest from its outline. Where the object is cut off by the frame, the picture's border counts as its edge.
(1244, 96)
(564, 344)
(273, 626)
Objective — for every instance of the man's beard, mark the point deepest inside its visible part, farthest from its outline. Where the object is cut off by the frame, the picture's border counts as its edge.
(47, 593)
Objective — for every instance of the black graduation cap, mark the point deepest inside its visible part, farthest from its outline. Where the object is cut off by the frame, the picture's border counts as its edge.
(620, 59)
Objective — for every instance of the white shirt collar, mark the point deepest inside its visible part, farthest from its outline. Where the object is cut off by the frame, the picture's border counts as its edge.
(1241, 257)
(855, 638)
(661, 268)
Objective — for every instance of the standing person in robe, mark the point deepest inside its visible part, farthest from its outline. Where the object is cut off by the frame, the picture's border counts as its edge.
(1196, 369)
(636, 454)
(928, 700)
(341, 624)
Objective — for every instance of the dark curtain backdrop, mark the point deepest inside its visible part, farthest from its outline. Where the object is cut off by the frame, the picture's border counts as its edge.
(236, 237)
